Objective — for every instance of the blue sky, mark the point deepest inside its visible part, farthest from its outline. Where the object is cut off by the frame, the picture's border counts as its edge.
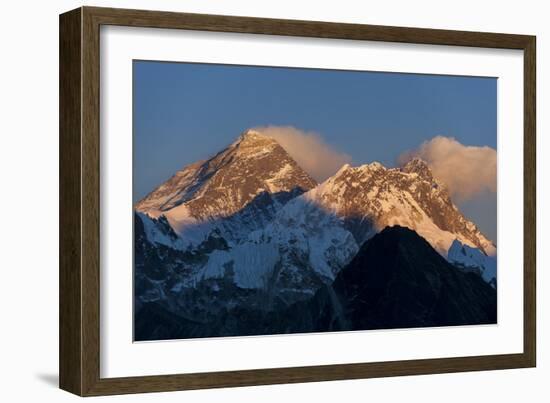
(184, 112)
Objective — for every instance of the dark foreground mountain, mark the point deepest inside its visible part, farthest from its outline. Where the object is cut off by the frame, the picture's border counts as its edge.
(396, 280)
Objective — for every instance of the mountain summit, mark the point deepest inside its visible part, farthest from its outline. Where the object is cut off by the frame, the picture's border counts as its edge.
(225, 183)
(371, 197)
(254, 169)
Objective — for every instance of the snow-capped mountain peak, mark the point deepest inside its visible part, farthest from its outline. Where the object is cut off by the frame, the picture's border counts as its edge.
(371, 197)
(251, 143)
(252, 135)
(418, 166)
(251, 176)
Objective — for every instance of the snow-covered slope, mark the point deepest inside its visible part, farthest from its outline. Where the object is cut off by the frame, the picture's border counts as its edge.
(159, 231)
(469, 258)
(301, 249)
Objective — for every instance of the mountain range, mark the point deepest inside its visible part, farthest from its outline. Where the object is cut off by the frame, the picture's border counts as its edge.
(248, 236)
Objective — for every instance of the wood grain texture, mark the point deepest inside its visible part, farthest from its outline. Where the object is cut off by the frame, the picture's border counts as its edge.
(80, 196)
(317, 29)
(530, 203)
(90, 202)
(70, 275)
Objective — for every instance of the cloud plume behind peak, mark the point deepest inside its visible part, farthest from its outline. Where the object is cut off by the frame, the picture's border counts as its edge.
(467, 171)
(308, 149)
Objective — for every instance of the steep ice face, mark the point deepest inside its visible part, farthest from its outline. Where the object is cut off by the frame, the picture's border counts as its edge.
(159, 232)
(301, 249)
(469, 258)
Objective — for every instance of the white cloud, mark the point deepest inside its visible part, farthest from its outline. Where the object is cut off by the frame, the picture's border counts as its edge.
(467, 171)
(308, 149)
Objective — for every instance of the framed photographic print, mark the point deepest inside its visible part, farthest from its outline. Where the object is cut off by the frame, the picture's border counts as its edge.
(249, 201)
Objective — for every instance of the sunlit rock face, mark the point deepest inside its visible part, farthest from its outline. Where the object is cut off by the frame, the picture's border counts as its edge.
(223, 185)
(410, 196)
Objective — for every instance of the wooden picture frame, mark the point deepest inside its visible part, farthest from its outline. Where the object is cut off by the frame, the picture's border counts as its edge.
(79, 346)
